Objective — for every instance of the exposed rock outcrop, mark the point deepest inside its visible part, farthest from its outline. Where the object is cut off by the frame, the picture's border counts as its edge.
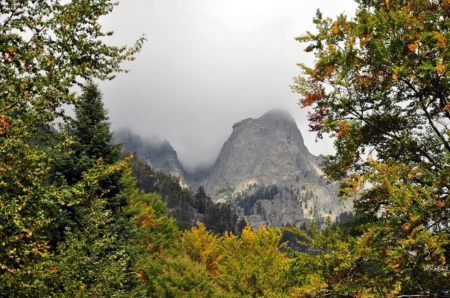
(264, 170)
(265, 153)
(160, 155)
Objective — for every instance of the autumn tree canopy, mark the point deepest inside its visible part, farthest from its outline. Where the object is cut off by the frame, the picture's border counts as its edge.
(380, 86)
(380, 83)
(46, 48)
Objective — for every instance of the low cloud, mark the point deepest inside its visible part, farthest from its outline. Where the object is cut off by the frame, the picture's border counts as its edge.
(207, 65)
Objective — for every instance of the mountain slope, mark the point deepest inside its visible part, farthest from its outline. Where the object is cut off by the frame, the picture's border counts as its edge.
(160, 155)
(264, 170)
(269, 153)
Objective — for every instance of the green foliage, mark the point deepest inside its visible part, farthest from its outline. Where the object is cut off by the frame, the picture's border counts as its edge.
(156, 230)
(146, 177)
(248, 202)
(182, 204)
(201, 200)
(220, 218)
(89, 144)
(179, 200)
(406, 230)
(380, 86)
(380, 81)
(335, 264)
(155, 233)
(90, 136)
(46, 48)
(93, 262)
(392, 247)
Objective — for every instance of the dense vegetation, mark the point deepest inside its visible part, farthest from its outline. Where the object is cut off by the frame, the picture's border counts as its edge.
(73, 221)
(380, 85)
(182, 204)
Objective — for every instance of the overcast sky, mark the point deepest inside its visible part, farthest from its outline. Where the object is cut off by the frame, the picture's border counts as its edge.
(208, 64)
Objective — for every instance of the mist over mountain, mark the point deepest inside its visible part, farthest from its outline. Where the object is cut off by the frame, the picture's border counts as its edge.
(264, 170)
(157, 153)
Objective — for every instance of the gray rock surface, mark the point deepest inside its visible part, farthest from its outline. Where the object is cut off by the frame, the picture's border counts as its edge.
(160, 155)
(266, 152)
(260, 156)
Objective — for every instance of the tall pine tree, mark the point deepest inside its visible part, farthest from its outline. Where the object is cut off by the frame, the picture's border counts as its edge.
(90, 144)
(90, 131)
(92, 237)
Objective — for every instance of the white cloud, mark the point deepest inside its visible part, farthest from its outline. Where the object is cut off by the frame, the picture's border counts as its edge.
(208, 64)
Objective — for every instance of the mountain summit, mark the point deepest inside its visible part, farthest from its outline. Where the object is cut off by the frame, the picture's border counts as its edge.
(265, 168)
(159, 154)
(264, 151)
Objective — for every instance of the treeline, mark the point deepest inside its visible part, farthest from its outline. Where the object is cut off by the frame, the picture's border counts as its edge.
(186, 207)
(248, 202)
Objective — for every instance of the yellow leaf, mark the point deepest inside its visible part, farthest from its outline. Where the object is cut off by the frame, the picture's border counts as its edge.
(395, 77)
(335, 29)
(440, 69)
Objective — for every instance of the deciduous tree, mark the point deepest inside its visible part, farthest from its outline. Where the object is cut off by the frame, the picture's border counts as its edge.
(380, 86)
(46, 48)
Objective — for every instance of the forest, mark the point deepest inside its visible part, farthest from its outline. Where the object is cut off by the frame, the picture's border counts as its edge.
(81, 218)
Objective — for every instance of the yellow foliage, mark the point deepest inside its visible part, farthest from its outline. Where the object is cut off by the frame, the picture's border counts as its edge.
(396, 290)
(441, 41)
(203, 247)
(335, 29)
(440, 69)
(252, 263)
(314, 285)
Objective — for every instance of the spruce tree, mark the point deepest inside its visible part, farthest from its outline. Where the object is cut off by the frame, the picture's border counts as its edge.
(91, 144)
(96, 229)
(90, 131)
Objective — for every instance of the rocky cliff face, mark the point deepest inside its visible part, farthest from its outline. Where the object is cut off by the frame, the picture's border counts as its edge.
(265, 154)
(264, 170)
(160, 155)
(264, 151)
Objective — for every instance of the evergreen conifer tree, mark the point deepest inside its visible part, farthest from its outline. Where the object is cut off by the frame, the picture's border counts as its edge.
(97, 228)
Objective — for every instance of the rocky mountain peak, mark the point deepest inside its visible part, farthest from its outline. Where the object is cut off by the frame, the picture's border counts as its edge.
(277, 115)
(267, 150)
(265, 168)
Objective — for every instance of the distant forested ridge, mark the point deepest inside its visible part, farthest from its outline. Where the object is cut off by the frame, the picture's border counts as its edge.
(187, 207)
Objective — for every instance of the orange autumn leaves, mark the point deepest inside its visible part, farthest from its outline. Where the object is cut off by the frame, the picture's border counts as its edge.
(342, 129)
(3, 124)
(312, 97)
